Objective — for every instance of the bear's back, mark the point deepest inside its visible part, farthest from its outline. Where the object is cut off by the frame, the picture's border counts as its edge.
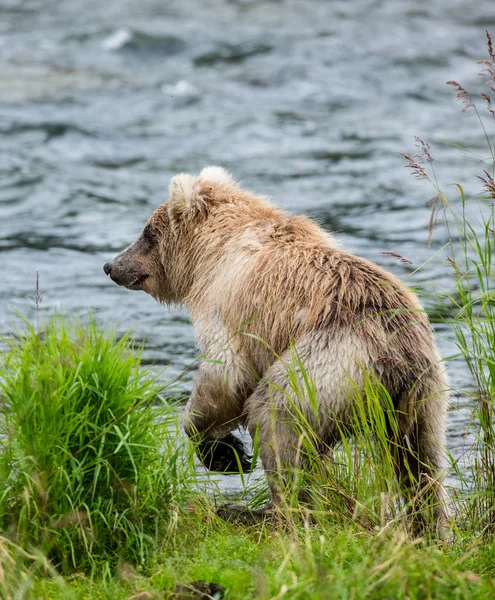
(286, 278)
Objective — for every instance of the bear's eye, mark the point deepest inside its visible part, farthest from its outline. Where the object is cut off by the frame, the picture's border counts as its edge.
(148, 234)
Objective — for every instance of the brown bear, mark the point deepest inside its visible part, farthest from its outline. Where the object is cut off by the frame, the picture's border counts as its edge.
(261, 285)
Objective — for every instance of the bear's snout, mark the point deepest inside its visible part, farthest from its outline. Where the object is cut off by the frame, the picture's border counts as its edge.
(127, 269)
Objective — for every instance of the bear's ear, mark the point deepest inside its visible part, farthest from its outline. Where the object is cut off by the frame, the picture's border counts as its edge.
(185, 197)
(216, 175)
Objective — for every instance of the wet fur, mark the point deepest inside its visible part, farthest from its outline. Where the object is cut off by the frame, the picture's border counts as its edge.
(249, 272)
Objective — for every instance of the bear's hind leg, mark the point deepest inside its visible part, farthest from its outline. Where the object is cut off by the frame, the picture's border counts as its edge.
(421, 466)
(279, 448)
(298, 409)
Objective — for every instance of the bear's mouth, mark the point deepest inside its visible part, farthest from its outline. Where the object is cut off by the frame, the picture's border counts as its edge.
(136, 284)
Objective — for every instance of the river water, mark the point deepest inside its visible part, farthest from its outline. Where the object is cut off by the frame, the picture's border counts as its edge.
(306, 101)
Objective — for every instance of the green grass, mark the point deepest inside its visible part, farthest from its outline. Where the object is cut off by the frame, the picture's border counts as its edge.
(309, 562)
(88, 469)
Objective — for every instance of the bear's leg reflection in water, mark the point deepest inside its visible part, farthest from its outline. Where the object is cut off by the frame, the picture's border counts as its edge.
(224, 455)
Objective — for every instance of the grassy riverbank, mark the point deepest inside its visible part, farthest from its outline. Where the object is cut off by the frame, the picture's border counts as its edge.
(100, 498)
(323, 562)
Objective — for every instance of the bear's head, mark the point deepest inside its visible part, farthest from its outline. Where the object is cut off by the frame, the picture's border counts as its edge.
(161, 261)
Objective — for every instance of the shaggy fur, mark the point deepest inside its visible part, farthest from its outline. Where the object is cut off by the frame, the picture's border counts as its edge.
(256, 280)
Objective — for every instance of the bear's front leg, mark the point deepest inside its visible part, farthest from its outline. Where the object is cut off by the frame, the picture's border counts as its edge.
(212, 413)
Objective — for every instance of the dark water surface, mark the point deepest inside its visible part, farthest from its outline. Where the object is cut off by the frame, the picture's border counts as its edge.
(307, 101)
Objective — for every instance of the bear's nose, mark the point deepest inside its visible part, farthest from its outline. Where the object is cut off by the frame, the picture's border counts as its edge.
(107, 268)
